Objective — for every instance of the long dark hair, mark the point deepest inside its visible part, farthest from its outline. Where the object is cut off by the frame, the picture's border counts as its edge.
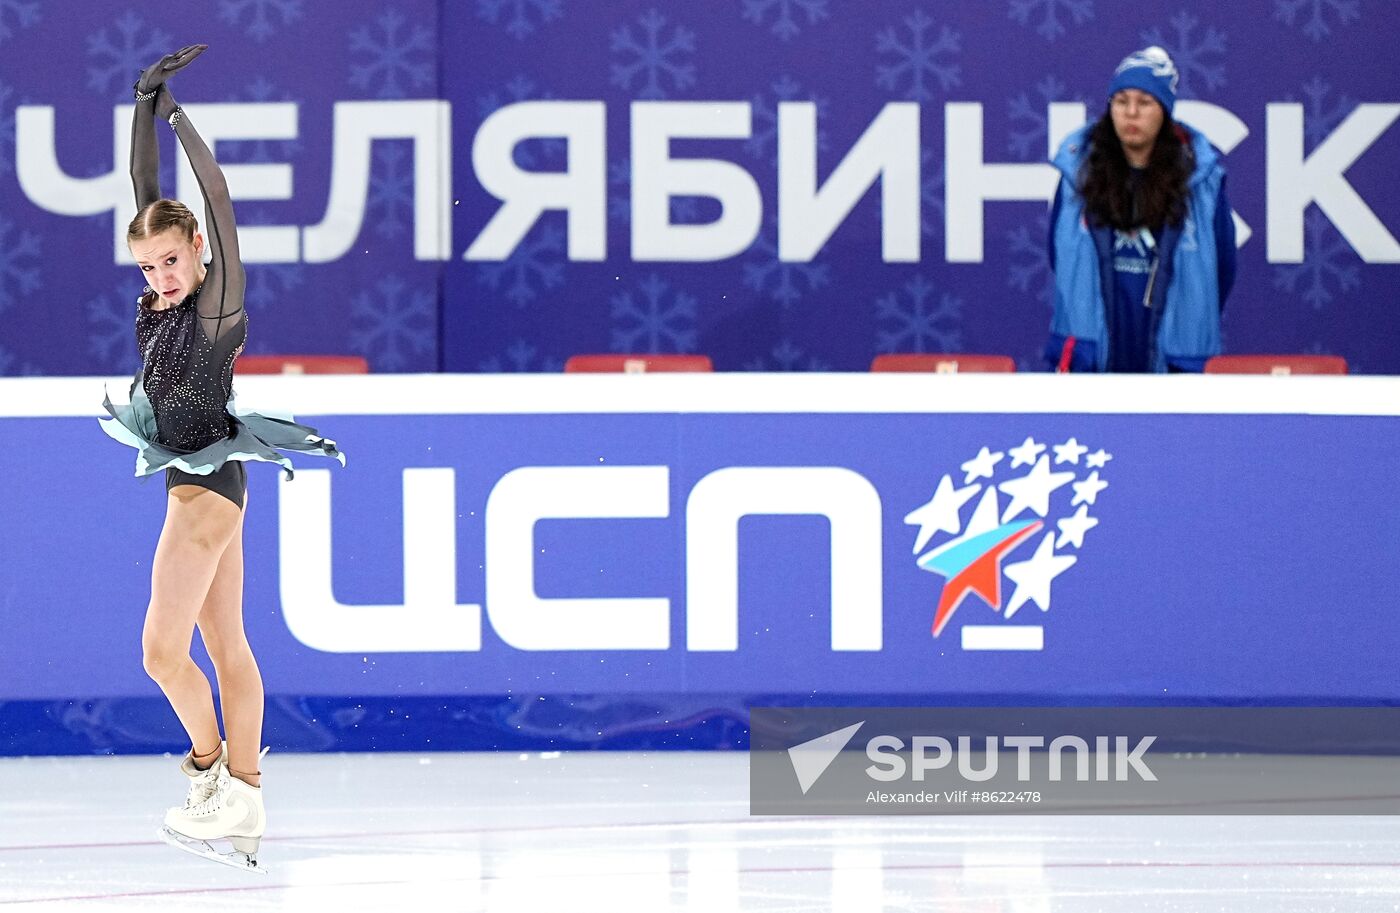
(1161, 196)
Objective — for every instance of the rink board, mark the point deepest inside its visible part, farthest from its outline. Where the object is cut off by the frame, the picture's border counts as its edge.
(540, 561)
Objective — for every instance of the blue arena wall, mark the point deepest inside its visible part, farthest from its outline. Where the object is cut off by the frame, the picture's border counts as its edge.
(370, 146)
(632, 561)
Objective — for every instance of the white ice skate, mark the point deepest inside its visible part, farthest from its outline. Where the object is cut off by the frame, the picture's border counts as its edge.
(233, 811)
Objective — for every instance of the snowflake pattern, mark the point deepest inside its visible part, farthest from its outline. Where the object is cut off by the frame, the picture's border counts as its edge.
(267, 19)
(652, 320)
(7, 130)
(1194, 55)
(920, 325)
(520, 356)
(782, 280)
(655, 59)
(786, 356)
(917, 60)
(1321, 281)
(254, 151)
(535, 264)
(114, 59)
(112, 333)
(684, 210)
(393, 56)
(1316, 27)
(515, 14)
(1329, 264)
(531, 154)
(270, 283)
(1050, 26)
(390, 197)
(1030, 270)
(1320, 118)
(1030, 121)
(785, 26)
(23, 13)
(11, 366)
(395, 326)
(18, 276)
(763, 140)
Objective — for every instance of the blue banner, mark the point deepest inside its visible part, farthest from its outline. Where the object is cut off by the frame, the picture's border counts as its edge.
(495, 185)
(954, 538)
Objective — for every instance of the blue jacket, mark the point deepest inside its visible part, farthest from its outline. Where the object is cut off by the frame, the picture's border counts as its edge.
(1195, 271)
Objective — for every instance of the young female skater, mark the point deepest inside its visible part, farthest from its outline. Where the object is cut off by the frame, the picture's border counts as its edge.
(190, 326)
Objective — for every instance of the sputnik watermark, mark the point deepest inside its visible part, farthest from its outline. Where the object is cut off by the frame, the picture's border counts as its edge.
(930, 753)
(1110, 759)
(1068, 760)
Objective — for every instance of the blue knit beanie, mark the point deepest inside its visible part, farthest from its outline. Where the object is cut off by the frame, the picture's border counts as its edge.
(1150, 70)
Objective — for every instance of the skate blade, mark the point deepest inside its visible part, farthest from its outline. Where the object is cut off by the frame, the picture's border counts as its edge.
(202, 848)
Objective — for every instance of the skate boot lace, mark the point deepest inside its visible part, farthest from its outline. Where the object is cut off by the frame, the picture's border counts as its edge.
(202, 786)
(213, 800)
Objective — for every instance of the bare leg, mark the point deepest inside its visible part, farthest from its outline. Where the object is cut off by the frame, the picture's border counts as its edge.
(240, 681)
(198, 526)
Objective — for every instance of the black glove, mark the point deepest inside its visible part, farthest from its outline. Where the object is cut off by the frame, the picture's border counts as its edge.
(157, 73)
(165, 102)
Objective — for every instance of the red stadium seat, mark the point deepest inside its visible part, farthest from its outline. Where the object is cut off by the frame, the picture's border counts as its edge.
(301, 364)
(1276, 364)
(946, 363)
(636, 364)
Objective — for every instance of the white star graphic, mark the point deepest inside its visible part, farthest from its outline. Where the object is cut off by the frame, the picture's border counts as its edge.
(1087, 491)
(1069, 452)
(1032, 578)
(941, 513)
(1097, 459)
(1033, 489)
(984, 518)
(980, 466)
(1025, 454)
(1072, 529)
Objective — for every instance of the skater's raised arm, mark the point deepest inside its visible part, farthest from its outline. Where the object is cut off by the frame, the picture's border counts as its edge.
(145, 150)
(220, 305)
(221, 299)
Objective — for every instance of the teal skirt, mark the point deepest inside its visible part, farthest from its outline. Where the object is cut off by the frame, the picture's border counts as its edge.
(254, 437)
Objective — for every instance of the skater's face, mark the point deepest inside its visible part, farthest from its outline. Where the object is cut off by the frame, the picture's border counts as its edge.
(170, 263)
(1137, 119)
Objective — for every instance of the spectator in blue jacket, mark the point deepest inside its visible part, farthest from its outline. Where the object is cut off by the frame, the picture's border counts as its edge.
(1142, 239)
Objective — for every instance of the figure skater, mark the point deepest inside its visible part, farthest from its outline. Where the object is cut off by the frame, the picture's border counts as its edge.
(190, 326)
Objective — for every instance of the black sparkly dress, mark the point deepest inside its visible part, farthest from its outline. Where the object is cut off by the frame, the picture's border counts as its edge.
(181, 414)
